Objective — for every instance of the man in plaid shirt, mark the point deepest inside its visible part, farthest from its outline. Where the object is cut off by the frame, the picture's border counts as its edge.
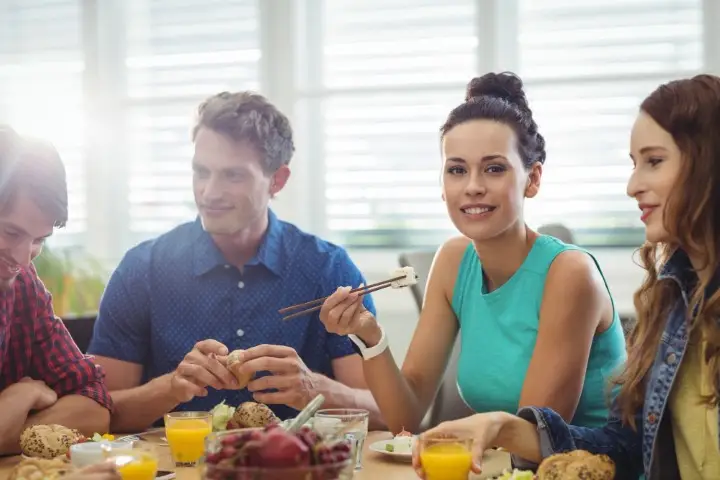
(44, 378)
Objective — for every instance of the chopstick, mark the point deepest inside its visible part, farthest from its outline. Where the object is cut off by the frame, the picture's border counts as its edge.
(317, 303)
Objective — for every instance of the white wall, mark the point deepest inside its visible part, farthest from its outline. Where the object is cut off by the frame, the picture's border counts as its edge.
(398, 313)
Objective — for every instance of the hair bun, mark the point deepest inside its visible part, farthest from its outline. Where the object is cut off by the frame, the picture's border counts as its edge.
(505, 85)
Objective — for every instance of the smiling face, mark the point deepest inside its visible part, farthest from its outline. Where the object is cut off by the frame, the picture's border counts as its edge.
(231, 188)
(23, 230)
(657, 161)
(484, 180)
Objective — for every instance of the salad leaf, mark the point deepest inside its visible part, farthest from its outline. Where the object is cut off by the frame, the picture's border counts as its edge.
(517, 475)
(221, 414)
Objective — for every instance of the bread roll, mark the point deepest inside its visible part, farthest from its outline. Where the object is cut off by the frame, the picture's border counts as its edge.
(233, 363)
(48, 441)
(252, 415)
(40, 469)
(576, 465)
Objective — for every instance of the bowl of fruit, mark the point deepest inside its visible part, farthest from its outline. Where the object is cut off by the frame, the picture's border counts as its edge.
(273, 453)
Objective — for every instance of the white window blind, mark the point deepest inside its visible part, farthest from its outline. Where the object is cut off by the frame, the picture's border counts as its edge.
(392, 70)
(41, 86)
(178, 53)
(587, 66)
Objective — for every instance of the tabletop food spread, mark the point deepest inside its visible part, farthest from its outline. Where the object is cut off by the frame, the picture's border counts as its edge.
(249, 442)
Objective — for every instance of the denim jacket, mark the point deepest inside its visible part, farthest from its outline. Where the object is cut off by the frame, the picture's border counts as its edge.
(650, 449)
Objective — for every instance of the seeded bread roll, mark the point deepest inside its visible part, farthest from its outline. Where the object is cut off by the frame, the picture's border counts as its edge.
(576, 465)
(48, 441)
(252, 415)
(233, 363)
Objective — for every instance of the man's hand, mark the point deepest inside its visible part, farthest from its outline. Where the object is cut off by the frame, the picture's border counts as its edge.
(43, 396)
(201, 369)
(295, 383)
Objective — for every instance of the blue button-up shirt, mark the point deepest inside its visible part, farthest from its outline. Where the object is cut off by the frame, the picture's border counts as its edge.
(173, 291)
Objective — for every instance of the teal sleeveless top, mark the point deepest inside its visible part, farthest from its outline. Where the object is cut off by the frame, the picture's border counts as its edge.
(498, 331)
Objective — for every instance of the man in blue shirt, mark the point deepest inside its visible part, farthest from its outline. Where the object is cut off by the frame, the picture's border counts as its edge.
(177, 304)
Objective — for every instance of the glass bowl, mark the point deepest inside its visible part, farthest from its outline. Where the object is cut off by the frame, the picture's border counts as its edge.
(215, 466)
(87, 453)
(338, 471)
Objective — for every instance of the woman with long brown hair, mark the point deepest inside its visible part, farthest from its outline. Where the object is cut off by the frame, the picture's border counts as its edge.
(664, 421)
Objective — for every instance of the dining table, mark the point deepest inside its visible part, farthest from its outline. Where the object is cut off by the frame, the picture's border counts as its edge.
(375, 465)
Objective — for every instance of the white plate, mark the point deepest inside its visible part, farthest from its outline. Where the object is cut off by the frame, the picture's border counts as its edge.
(379, 447)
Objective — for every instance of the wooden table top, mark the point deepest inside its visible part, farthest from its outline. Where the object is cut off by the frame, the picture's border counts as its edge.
(375, 465)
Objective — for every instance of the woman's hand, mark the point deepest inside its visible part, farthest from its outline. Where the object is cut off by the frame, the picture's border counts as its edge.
(343, 313)
(483, 428)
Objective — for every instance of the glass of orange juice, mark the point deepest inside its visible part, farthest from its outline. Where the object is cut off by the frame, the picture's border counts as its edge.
(186, 432)
(134, 463)
(445, 458)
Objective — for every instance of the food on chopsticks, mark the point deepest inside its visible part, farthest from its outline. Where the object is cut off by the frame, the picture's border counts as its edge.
(576, 465)
(40, 469)
(408, 279)
(401, 277)
(275, 448)
(48, 441)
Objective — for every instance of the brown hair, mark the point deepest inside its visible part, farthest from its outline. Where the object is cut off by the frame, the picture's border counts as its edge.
(249, 117)
(501, 97)
(689, 110)
(35, 167)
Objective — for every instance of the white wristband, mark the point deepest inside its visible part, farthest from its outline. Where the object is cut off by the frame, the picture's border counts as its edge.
(368, 353)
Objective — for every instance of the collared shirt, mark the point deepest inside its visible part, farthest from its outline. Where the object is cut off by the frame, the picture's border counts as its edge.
(34, 343)
(173, 291)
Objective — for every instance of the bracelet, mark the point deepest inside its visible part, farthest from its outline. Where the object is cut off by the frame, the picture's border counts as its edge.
(372, 352)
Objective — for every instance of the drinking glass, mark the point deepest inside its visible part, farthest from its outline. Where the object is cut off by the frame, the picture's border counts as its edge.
(446, 458)
(133, 462)
(353, 422)
(186, 432)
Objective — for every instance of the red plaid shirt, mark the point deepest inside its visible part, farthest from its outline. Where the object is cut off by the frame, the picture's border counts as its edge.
(35, 343)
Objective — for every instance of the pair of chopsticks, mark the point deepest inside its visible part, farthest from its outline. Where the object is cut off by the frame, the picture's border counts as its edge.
(316, 304)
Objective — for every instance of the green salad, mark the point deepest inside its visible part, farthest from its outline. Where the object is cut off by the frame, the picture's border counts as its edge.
(517, 475)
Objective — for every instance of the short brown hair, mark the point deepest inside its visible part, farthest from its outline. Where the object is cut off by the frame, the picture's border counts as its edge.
(249, 117)
(33, 166)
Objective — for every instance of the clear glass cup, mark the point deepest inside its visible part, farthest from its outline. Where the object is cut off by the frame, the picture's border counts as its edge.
(354, 423)
(445, 458)
(185, 433)
(134, 461)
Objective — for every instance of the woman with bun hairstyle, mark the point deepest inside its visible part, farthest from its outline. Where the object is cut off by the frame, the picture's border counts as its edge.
(536, 320)
(664, 421)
